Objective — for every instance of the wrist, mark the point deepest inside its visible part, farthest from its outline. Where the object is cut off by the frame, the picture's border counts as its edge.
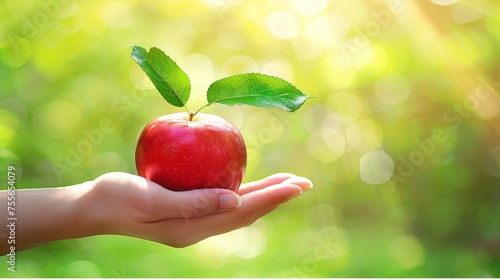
(88, 211)
(52, 214)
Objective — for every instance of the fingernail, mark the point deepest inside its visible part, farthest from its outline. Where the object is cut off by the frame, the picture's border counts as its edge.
(229, 201)
(309, 184)
(302, 182)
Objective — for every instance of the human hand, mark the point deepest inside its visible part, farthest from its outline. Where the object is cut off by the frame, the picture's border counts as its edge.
(130, 205)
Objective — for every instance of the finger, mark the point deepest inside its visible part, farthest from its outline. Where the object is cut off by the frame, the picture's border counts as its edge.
(193, 203)
(302, 182)
(268, 181)
(154, 202)
(255, 205)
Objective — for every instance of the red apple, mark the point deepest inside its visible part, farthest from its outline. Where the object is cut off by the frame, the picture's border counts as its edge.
(181, 154)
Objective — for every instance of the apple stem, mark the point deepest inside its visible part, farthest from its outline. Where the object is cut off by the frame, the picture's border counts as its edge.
(191, 114)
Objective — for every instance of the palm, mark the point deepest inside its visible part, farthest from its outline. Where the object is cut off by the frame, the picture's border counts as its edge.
(144, 209)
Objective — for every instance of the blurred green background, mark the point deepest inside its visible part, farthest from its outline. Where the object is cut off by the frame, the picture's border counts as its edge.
(402, 140)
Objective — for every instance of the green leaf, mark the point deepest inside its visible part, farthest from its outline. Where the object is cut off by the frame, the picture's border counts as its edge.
(256, 90)
(172, 83)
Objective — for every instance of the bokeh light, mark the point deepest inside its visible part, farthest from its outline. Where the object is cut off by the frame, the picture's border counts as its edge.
(239, 64)
(246, 243)
(327, 30)
(326, 145)
(310, 8)
(407, 252)
(392, 89)
(283, 24)
(376, 167)
(59, 116)
(444, 2)
(78, 268)
(364, 135)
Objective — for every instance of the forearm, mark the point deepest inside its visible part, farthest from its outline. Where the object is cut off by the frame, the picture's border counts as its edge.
(49, 214)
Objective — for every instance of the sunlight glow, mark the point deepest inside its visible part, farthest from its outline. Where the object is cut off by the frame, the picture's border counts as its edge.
(199, 69)
(310, 7)
(445, 2)
(115, 14)
(279, 68)
(283, 24)
(437, 48)
(240, 64)
(464, 12)
(326, 30)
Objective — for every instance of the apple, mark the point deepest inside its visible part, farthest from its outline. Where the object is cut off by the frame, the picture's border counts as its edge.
(184, 151)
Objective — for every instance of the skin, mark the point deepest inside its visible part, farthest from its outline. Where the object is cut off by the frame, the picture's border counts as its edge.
(124, 204)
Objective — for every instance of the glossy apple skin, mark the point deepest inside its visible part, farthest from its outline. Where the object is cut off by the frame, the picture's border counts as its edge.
(181, 155)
